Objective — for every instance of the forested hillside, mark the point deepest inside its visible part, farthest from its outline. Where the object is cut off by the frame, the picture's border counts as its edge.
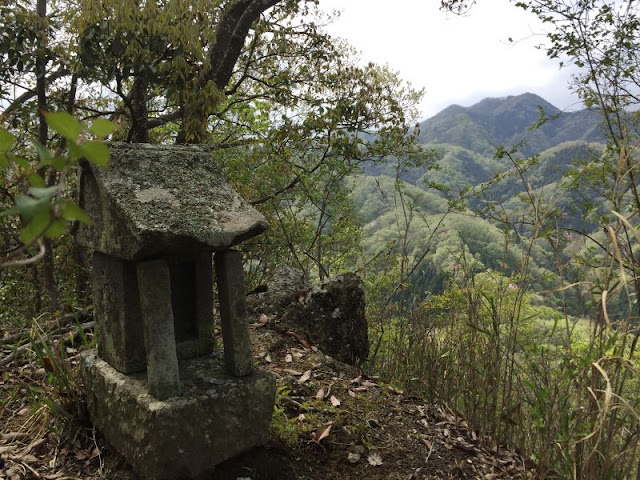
(508, 121)
(447, 200)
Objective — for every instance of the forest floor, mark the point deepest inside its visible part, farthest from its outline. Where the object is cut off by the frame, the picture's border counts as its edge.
(330, 422)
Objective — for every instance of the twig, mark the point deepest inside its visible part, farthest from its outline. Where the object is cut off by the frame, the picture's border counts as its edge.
(13, 355)
(26, 261)
(87, 326)
(59, 322)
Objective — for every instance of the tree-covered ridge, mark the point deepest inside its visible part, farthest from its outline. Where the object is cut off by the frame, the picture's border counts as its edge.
(507, 121)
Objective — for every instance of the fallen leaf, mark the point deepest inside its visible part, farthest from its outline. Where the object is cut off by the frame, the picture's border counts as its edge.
(38, 444)
(352, 393)
(267, 358)
(24, 458)
(82, 454)
(426, 443)
(397, 391)
(320, 394)
(334, 401)
(305, 376)
(262, 321)
(374, 459)
(295, 373)
(323, 432)
(288, 358)
(300, 339)
(297, 352)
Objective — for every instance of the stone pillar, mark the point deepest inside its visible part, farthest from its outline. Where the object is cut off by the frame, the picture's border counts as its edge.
(117, 313)
(233, 312)
(154, 284)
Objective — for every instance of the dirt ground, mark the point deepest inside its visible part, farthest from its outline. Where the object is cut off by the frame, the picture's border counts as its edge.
(330, 422)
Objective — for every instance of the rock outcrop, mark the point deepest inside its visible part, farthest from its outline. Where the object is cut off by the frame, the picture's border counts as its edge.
(330, 315)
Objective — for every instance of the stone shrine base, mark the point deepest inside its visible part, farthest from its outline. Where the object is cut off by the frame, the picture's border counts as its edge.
(216, 417)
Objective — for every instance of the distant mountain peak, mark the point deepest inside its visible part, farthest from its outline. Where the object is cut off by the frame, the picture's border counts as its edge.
(506, 121)
(498, 105)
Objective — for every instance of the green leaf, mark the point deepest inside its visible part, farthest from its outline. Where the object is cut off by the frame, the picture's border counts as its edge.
(96, 153)
(29, 207)
(70, 211)
(43, 152)
(102, 128)
(44, 193)
(36, 180)
(36, 227)
(22, 163)
(75, 150)
(7, 141)
(4, 161)
(56, 228)
(59, 163)
(65, 124)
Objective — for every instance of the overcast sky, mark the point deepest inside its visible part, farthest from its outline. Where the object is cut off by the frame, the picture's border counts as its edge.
(455, 59)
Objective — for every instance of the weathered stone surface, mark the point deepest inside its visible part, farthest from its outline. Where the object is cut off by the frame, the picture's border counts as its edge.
(332, 315)
(217, 417)
(154, 284)
(233, 312)
(285, 284)
(158, 199)
(116, 301)
(119, 318)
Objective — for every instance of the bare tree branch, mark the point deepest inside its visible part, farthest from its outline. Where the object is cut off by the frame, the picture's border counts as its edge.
(29, 94)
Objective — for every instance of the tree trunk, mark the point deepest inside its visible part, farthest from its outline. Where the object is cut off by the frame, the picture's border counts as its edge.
(139, 116)
(48, 267)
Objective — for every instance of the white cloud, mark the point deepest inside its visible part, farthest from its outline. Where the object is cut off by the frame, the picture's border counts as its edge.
(457, 59)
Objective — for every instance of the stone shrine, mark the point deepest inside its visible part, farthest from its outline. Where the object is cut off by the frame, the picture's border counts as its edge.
(156, 388)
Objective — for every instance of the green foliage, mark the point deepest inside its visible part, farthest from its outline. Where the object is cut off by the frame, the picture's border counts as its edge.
(534, 338)
(43, 211)
(283, 427)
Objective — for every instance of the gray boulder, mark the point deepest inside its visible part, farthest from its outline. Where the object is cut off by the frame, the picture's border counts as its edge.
(332, 316)
(285, 285)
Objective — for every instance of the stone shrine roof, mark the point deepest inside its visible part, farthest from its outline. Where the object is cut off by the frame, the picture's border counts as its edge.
(162, 199)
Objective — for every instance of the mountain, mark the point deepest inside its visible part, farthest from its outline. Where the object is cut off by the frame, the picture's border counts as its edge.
(464, 141)
(507, 121)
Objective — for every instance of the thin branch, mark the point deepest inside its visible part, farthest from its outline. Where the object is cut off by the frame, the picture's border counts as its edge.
(29, 94)
(27, 261)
